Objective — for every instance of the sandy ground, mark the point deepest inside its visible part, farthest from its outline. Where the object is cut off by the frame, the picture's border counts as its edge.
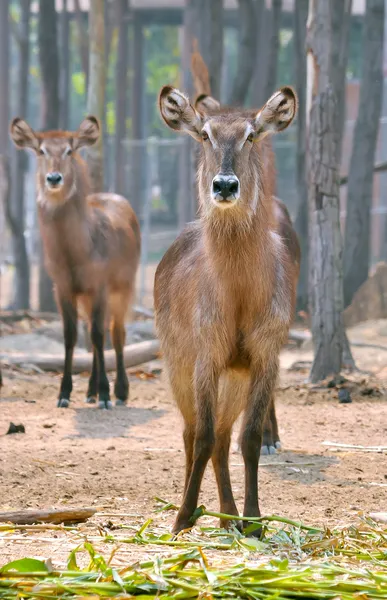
(120, 460)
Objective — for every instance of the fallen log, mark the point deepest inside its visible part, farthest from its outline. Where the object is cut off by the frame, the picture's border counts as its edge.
(305, 336)
(134, 355)
(55, 515)
(12, 316)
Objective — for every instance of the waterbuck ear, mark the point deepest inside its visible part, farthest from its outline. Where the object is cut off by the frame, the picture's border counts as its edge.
(278, 112)
(88, 133)
(178, 113)
(206, 104)
(22, 135)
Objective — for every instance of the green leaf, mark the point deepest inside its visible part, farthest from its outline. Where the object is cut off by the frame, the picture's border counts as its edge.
(252, 544)
(25, 565)
(199, 512)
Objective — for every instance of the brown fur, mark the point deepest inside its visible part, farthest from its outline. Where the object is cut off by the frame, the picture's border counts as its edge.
(225, 294)
(91, 246)
(208, 105)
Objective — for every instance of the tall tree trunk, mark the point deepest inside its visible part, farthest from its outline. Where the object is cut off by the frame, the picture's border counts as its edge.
(64, 67)
(4, 75)
(360, 179)
(138, 116)
(273, 48)
(262, 17)
(96, 90)
(21, 294)
(122, 14)
(325, 264)
(301, 222)
(83, 41)
(208, 23)
(341, 25)
(246, 53)
(49, 69)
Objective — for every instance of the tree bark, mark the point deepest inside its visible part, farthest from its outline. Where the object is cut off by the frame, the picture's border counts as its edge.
(96, 89)
(360, 179)
(262, 17)
(325, 264)
(122, 14)
(4, 75)
(273, 49)
(83, 41)
(301, 221)
(138, 117)
(49, 69)
(64, 67)
(16, 212)
(246, 52)
(51, 515)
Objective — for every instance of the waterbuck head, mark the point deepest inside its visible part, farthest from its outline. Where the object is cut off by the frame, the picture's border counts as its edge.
(58, 162)
(230, 171)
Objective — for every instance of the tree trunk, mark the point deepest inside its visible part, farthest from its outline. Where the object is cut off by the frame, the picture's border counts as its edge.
(16, 221)
(4, 75)
(325, 264)
(262, 17)
(301, 222)
(208, 24)
(83, 41)
(137, 198)
(64, 67)
(273, 49)
(246, 53)
(96, 89)
(360, 179)
(121, 98)
(341, 24)
(49, 70)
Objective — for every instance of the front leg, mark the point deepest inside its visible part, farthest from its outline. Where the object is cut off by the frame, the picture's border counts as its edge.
(68, 309)
(97, 339)
(263, 381)
(271, 442)
(206, 379)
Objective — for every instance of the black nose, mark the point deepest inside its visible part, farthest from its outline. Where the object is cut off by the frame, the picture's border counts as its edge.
(54, 178)
(225, 186)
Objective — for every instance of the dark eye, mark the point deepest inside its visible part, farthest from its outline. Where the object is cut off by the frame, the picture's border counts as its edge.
(41, 152)
(68, 152)
(204, 136)
(250, 138)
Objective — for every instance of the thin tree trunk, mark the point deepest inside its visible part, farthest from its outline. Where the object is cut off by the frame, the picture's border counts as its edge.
(21, 294)
(83, 41)
(96, 90)
(49, 69)
(208, 25)
(262, 14)
(4, 75)
(246, 53)
(64, 67)
(325, 264)
(138, 116)
(121, 90)
(360, 179)
(301, 222)
(273, 48)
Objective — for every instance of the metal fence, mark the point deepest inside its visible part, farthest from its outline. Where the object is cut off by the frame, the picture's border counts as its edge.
(155, 182)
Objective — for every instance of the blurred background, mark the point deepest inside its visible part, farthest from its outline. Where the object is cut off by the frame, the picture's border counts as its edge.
(47, 48)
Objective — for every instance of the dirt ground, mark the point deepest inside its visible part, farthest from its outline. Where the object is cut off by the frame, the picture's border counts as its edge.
(120, 460)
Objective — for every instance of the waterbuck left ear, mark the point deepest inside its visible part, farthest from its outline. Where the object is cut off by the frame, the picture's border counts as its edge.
(178, 113)
(88, 133)
(206, 104)
(278, 112)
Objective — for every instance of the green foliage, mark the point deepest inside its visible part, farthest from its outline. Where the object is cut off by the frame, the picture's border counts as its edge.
(79, 83)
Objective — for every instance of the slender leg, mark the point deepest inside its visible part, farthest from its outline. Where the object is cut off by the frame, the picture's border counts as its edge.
(222, 474)
(261, 390)
(121, 386)
(189, 439)
(92, 390)
(206, 388)
(69, 316)
(97, 338)
(274, 427)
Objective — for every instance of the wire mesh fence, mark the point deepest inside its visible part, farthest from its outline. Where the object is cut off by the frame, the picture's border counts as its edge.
(158, 179)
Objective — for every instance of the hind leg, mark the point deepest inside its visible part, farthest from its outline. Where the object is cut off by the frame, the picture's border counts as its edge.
(119, 304)
(92, 390)
(97, 338)
(270, 442)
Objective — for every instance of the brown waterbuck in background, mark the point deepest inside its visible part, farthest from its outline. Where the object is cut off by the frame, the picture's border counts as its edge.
(207, 105)
(225, 294)
(91, 245)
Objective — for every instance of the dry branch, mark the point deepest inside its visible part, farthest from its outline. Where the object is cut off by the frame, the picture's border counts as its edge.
(59, 515)
(134, 355)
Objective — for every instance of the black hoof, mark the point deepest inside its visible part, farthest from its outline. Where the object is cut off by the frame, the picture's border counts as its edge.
(266, 450)
(90, 400)
(105, 405)
(63, 403)
(255, 530)
(120, 402)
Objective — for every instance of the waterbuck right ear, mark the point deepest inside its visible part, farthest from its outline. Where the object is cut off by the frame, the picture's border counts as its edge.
(88, 133)
(22, 135)
(206, 104)
(178, 113)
